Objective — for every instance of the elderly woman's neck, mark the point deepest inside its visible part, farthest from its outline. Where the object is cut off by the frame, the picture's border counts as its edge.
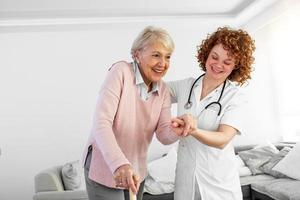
(149, 86)
(147, 82)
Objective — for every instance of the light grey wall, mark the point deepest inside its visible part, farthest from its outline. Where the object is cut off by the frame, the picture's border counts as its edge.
(277, 38)
(50, 77)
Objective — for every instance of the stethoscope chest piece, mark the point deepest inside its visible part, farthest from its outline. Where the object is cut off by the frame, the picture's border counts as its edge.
(188, 105)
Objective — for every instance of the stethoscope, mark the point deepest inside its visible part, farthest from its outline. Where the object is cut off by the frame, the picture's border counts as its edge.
(189, 104)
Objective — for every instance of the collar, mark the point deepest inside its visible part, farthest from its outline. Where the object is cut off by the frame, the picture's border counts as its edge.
(139, 79)
(198, 88)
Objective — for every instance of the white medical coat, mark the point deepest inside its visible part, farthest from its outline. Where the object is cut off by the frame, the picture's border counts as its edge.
(214, 170)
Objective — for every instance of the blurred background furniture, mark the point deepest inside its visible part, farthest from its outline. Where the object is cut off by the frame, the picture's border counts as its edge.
(49, 185)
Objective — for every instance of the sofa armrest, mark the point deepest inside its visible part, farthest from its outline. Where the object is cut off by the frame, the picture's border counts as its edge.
(49, 180)
(62, 195)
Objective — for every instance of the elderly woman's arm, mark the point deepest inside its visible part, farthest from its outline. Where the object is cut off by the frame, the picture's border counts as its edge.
(164, 132)
(105, 112)
(103, 134)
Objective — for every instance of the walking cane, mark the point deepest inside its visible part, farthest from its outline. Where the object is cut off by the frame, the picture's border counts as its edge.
(132, 196)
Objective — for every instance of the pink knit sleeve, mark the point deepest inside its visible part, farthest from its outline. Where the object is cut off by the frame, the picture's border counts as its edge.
(164, 131)
(107, 106)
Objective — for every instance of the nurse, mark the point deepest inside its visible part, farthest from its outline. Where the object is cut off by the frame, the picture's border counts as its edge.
(206, 166)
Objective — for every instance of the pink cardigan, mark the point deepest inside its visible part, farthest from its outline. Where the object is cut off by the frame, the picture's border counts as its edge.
(124, 125)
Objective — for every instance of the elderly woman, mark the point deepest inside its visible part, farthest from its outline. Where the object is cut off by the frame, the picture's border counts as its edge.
(210, 110)
(133, 104)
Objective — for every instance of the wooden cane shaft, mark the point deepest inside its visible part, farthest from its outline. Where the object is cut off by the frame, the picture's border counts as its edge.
(132, 196)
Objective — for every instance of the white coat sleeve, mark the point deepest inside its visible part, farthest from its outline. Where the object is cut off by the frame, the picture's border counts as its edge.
(235, 112)
(173, 89)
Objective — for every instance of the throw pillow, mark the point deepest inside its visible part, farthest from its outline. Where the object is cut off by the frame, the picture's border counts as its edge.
(71, 175)
(239, 161)
(156, 188)
(255, 164)
(290, 164)
(269, 145)
(82, 185)
(258, 156)
(244, 171)
(267, 168)
(163, 169)
(161, 174)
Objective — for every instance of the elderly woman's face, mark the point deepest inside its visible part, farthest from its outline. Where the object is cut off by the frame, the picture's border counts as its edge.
(219, 64)
(153, 61)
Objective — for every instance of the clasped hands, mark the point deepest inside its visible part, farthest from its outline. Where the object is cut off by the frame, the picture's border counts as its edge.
(126, 178)
(184, 125)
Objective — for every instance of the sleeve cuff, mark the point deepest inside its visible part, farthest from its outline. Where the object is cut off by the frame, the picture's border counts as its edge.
(114, 165)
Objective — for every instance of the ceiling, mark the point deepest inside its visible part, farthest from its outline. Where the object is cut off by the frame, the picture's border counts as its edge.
(44, 9)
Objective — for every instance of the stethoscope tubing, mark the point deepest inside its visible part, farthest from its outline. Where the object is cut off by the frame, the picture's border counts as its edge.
(189, 104)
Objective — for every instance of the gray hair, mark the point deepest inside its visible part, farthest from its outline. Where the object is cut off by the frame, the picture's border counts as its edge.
(149, 35)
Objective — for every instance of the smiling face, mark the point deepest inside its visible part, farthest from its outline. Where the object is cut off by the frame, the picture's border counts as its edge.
(153, 61)
(219, 63)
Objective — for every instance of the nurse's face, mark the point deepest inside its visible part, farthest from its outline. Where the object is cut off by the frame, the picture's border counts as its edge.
(219, 64)
(153, 61)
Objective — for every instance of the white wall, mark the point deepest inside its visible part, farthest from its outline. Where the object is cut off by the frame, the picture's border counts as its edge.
(274, 109)
(281, 40)
(263, 121)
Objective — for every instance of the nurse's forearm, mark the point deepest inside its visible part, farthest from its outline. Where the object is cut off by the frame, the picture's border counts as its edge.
(213, 139)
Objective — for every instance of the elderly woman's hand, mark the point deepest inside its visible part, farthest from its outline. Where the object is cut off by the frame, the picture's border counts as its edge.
(190, 123)
(184, 125)
(126, 178)
(177, 126)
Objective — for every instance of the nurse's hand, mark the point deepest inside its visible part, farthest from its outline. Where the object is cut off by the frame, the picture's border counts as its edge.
(126, 178)
(190, 123)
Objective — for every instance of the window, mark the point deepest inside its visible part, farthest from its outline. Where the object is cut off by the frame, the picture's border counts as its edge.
(285, 44)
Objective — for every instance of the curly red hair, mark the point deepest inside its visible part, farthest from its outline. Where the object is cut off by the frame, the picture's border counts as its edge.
(240, 46)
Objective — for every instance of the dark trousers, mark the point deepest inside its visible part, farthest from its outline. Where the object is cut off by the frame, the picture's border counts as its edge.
(97, 191)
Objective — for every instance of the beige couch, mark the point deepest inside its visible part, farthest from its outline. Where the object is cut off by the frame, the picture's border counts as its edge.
(49, 186)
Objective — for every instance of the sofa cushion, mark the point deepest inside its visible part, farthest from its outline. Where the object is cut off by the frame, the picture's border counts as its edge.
(254, 164)
(62, 195)
(290, 164)
(163, 169)
(161, 174)
(243, 169)
(71, 175)
(247, 180)
(268, 167)
(49, 180)
(258, 156)
(280, 189)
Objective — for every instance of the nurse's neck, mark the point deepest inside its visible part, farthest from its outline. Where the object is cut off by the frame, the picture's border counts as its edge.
(208, 85)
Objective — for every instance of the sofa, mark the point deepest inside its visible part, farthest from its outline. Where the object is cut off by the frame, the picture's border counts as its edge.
(270, 184)
(49, 185)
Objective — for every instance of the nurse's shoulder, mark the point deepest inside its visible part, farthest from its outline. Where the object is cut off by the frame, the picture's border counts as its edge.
(234, 93)
(180, 84)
